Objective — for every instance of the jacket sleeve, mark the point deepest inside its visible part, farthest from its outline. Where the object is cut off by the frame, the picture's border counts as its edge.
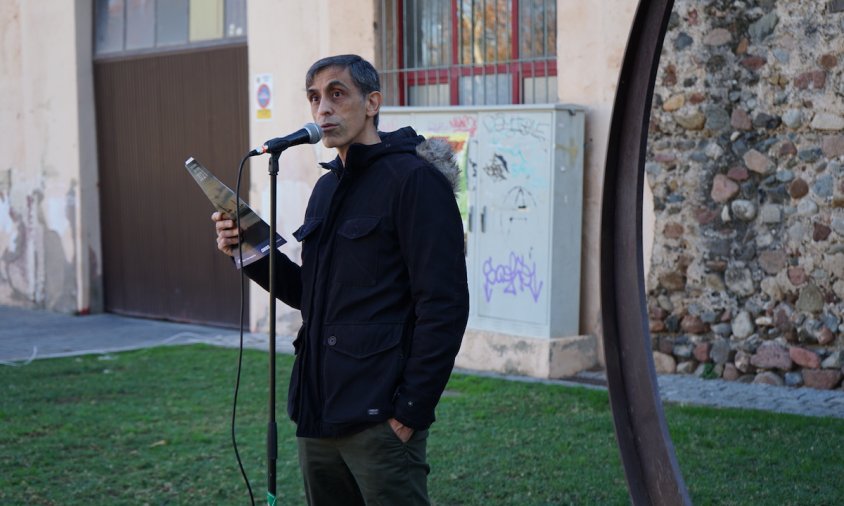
(430, 233)
(288, 279)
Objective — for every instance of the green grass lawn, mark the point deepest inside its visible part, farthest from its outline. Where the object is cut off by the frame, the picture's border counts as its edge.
(152, 427)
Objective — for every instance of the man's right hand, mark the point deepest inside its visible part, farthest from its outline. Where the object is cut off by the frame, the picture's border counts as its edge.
(227, 233)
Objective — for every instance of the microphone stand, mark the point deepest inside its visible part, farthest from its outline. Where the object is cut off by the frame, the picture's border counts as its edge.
(272, 428)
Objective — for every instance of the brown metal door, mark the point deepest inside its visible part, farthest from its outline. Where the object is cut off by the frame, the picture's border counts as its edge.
(159, 252)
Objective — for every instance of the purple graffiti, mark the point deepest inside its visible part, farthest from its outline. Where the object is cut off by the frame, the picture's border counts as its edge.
(517, 276)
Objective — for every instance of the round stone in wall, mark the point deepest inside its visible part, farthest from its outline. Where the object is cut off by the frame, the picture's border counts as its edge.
(743, 210)
(827, 121)
(718, 37)
(763, 27)
(757, 162)
(771, 355)
(793, 118)
(798, 188)
(807, 207)
(693, 121)
(768, 378)
(742, 325)
(825, 379)
(810, 299)
(664, 363)
(793, 379)
(723, 188)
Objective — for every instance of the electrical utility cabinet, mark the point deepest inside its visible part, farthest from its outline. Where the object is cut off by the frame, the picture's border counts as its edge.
(522, 203)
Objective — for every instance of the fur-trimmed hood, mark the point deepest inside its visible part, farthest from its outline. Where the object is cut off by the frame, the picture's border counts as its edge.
(436, 151)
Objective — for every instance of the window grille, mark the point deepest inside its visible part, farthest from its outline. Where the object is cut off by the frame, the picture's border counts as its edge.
(468, 52)
(123, 27)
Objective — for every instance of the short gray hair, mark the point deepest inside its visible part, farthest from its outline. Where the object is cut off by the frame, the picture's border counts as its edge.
(363, 73)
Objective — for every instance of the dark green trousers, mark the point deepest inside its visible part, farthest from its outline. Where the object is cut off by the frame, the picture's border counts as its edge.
(371, 468)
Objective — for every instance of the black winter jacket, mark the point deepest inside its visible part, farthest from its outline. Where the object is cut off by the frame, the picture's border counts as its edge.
(382, 288)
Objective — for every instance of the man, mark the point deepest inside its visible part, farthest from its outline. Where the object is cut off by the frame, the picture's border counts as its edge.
(383, 295)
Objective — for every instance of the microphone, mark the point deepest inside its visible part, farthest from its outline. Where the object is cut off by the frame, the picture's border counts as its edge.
(310, 133)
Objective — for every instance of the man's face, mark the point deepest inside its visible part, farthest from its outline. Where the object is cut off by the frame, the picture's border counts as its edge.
(340, 109)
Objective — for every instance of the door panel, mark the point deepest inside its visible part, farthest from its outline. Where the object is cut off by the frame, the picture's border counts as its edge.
(159, 252)
(514, 195)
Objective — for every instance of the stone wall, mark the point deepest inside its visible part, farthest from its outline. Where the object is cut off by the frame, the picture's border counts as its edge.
(745, 161)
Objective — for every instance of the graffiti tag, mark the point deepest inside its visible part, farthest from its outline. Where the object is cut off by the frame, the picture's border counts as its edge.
(517, 276)
(520, 197)
(464, 124)
(497, 168)
(517, 125)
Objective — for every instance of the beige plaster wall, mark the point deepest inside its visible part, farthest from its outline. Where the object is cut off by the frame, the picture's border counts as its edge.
(284, 40)
(591, 38)
(49, 224)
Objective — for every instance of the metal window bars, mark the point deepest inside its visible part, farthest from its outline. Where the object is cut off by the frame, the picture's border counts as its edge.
(468, 52)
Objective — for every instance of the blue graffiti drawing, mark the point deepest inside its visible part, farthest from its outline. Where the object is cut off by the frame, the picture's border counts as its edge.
(517, 276)
(517, 164)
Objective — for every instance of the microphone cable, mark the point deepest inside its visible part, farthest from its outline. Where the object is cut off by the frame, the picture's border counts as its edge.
(240, 351)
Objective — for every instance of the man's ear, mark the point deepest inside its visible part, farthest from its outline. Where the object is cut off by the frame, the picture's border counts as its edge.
(373, 103)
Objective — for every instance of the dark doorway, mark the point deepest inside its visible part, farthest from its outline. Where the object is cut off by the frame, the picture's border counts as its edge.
(153, 112)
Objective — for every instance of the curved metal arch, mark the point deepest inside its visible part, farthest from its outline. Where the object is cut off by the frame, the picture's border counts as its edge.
(647, 453)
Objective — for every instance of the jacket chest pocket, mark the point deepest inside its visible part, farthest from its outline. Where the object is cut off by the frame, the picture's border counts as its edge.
(356, 252)
(308, 231)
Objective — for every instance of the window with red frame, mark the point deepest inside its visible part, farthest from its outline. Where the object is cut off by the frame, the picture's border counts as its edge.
(468, 52)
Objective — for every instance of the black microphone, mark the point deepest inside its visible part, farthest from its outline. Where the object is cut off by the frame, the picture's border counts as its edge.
(310, 133)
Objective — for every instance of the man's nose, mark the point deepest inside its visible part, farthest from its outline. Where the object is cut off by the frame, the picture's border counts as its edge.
(324, 108)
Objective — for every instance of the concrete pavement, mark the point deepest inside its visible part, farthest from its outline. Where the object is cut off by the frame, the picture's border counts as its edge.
(27, 335)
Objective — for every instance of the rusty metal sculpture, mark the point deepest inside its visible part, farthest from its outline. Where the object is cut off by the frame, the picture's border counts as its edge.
(650, 465)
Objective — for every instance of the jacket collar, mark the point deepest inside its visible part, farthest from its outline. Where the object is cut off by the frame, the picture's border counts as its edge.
(436, 151)
(361, 156)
